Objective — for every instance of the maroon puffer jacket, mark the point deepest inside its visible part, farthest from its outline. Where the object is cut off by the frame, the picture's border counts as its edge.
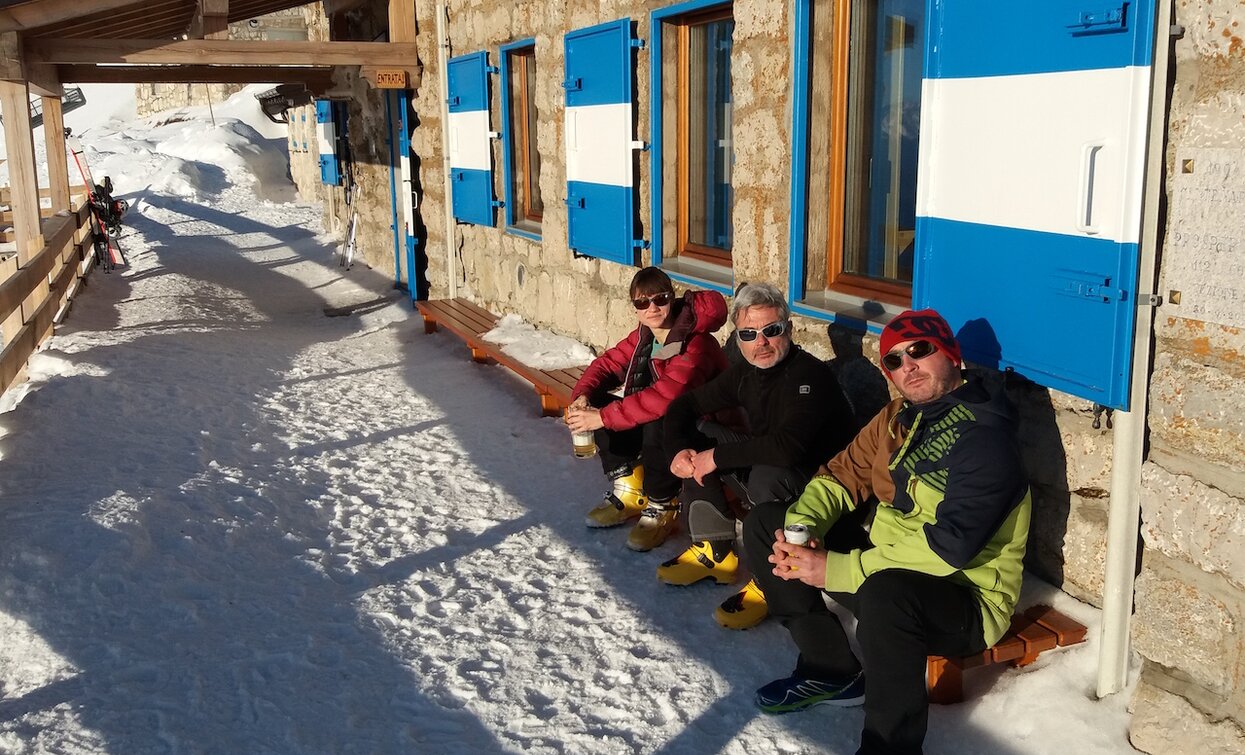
(688, 359)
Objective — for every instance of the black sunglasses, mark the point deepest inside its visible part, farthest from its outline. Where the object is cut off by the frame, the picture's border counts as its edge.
(916, 350)
(660, 300)
(773, 330)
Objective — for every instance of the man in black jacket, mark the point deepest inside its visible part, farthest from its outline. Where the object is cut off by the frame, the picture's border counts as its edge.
(796, 418)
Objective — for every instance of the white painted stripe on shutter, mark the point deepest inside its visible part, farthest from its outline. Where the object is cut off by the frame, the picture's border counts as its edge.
(469, 141)
(1020, 161)
(598, 144)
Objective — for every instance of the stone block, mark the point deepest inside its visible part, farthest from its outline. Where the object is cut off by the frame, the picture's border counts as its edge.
(761, 20)
(1199, 409)
(1186, 519)
(1067, 542)
(1167, 724)
(761, 145)
(1213, 28)
(1182, 622)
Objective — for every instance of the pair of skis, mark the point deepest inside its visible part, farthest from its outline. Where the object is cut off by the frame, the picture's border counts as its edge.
(345, 254)
(107, 251)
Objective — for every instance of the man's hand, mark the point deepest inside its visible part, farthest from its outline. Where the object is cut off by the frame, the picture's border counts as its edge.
(579, 403)
(703, 464)
(583, 420)
(806, 563)
(683, 464)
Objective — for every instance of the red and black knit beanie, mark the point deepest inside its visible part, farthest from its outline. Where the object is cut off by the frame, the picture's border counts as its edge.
(924, 324)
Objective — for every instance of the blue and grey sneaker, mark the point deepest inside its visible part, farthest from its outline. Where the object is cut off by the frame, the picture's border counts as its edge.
(798, 692)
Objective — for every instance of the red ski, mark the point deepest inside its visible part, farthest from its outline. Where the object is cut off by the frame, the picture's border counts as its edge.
(107, 251)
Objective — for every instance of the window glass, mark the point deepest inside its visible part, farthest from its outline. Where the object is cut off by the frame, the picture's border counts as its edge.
(709, 134)
(524, 155)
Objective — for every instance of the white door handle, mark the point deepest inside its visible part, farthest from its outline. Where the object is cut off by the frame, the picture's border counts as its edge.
(1085, 220)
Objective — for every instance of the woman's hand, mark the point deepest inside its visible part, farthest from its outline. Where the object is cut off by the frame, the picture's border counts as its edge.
(807, 563)
(583, 420)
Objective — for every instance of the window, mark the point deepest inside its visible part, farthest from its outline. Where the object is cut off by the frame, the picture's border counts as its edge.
(524, 207)
(695, 133)
(864, 102)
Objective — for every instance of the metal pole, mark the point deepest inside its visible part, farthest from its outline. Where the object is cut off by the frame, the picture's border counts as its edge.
(1130, 427)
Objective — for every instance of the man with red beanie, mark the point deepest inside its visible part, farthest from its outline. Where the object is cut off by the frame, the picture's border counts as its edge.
(942, 571)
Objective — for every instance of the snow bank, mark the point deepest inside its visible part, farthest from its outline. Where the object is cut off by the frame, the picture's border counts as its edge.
(538, 348)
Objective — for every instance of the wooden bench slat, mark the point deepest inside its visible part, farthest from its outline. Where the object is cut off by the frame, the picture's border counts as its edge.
(1067, 631)
(1038, 629)
(470, 322)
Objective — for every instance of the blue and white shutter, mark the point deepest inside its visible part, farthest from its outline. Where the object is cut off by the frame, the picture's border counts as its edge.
(1029, 197)
(471, 153)
(327, 140)
(600, 176)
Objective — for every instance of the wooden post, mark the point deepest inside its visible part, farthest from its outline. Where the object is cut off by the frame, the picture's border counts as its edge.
(23, 181)
(58, 160)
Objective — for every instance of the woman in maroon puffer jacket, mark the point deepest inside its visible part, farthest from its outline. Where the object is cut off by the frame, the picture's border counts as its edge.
(671, 352)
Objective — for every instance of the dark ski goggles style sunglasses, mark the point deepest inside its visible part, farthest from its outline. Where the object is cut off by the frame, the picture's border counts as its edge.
(773, 330)
(660, 300)
(916, 350)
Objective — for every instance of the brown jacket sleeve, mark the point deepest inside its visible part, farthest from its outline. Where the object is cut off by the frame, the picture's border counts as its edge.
(862, 467)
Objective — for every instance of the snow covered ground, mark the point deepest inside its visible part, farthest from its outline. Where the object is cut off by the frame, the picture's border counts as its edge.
(232, 524)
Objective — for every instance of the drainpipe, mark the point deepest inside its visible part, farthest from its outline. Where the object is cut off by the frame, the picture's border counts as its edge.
(443, 46)
(1130, 427)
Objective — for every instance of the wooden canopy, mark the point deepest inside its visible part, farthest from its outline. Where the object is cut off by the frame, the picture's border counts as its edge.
(45, 42)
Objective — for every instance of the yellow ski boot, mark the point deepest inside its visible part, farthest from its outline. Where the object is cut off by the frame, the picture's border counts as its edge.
(656, 524)
(625, 501)
(697, 563)
(743, 610)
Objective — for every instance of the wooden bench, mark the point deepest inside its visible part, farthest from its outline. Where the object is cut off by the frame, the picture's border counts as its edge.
(1033, 632)
(470, 322)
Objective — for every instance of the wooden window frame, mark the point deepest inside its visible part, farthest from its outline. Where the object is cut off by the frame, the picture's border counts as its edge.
(520, 148)
(683, 246)
(836, 220)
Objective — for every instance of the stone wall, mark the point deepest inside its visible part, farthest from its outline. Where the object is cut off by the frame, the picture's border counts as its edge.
(1190, 617)
(155, 98)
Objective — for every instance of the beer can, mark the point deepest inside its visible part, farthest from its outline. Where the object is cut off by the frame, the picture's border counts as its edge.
(797, 534)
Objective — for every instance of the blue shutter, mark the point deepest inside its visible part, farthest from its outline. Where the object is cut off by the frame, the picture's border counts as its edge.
(1029, 205)
(600, 187)
(326, 138)
(471, 154)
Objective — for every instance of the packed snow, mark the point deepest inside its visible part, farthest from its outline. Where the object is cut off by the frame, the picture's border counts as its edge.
(233, 524)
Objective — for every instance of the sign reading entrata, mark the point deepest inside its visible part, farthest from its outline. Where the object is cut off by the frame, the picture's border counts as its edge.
(390, 78)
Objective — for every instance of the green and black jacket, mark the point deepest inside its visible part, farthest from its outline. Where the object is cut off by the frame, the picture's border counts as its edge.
(953, 497)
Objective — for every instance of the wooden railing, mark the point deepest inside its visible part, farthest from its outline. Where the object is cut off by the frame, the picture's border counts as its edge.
(33, 297)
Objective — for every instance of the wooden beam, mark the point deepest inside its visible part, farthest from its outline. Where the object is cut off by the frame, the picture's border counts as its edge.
(33, 15)
(401, 20)
(134, 21)
(11, 57)
(43, 80)
(88, 74)
(211, 20)
(24, 183)
(6, 194)
(219, 52)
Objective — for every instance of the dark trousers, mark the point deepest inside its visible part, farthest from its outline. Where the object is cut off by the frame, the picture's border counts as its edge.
(760, 483)
(619, 448)
(902, 617)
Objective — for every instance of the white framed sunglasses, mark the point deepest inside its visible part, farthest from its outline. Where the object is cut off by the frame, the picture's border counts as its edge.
(773, 330)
